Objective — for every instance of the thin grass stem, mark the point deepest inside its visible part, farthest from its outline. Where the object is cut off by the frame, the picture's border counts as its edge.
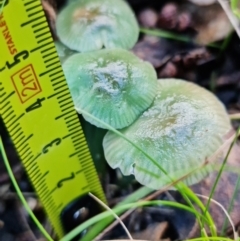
(120, 209)
(182, 188)
(113, 213)
(21, 197)
(220, 172)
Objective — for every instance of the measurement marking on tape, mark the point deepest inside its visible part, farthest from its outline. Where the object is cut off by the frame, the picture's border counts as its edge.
(32, 14)
(45, 193)
(51, 208)
(59, 82)
(80, 139)
(33, 173)
(50, 70)
(58, 78)
(63, 95)
(41, 46)
(8, 103)
(44, 39)
(19, 135)
(9, 117)
(74, 123)
(77, 152)
(22, 149)
(6, 112)
(30, 2)
(34, 159)
(2, 101)
(45, 50)
(34, 165)
(67, 108)
(27, 160)
(42, 34)
(49, 54)
(13, 122)
(47, 60)
(85, 188)
(7, 97)
(38, 24)
(64, 114)
(43, 188)
(32, 8)
(2, 94)
(59, 87)
(51, 64)
(26, 154)
(59, 92)
(13, 134)
(40, 29)
(73, 133)
(41, 176)
(73, 129)
(78, 146)
(32, 20)
(54, 74)
(23, 141)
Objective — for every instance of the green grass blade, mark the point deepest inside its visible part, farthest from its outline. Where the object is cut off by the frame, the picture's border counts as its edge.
(134, 197)
(2, 6)
(169, 35)
(220, 171)
(121, 209)
(20, 195)
(235, 192)
(182, 188)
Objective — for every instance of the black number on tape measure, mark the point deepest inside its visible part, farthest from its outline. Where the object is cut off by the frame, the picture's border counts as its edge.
(17, 58)
(60, 183)
(37, 104)
(56, 142)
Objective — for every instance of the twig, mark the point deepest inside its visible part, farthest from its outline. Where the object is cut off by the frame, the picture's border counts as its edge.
(114, 214)
(225, 211)
(232, 18)
(235, 116)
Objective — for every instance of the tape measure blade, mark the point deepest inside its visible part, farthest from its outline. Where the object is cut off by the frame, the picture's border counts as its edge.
(38, 112)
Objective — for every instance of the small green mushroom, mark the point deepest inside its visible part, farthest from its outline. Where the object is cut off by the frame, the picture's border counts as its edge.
(87, 25)
(113, 85)
(183, 127)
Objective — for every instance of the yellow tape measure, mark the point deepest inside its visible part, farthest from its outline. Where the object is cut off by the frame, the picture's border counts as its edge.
(38, 111)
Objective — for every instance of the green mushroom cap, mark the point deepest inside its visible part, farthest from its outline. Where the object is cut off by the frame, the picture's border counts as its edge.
(183, 127)
(87, 25)
(63, 52)
(113, 85)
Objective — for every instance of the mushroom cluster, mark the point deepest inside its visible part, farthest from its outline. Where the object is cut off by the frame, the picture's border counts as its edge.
(177, 123)
(183, 127)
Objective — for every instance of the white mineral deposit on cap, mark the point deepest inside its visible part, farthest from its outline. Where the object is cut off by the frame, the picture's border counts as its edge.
(183, 126)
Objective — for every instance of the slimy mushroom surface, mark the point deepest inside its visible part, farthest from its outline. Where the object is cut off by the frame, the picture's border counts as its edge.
(183, 127)
(113, 85)
(87, 25)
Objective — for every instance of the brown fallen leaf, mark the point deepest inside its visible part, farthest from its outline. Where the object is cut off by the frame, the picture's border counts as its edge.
(153, 232)
(224, 192)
